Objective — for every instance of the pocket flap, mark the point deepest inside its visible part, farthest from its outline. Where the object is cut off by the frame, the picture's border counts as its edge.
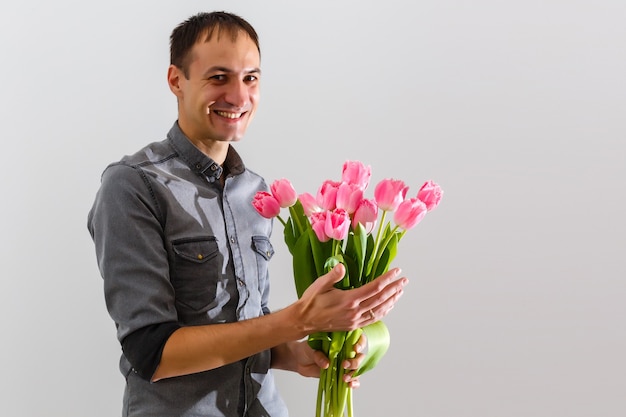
(197, 250)
(263, 246)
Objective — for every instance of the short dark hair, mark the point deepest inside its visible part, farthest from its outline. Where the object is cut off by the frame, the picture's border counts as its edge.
(187, 33)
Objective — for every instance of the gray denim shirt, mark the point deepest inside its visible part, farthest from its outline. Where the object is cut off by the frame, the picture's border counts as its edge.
(173, 246)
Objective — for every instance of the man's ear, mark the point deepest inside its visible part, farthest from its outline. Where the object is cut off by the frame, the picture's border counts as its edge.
(174, 78)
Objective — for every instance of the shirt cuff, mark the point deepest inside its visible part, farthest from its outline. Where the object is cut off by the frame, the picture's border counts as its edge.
(144, 346)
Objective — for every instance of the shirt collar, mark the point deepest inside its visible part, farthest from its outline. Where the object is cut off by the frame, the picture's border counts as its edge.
(198, 161)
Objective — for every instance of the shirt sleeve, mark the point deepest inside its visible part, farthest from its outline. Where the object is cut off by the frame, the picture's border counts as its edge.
(143, 347)
(126, 224)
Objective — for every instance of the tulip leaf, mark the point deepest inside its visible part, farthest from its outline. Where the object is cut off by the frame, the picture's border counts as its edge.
(304, 265)
(290, 237)
(378, 341)
(368, 256)
(319, 341)
(321, 251)
(357, 250)
(352, 272)
(387, 256)
(300, 222)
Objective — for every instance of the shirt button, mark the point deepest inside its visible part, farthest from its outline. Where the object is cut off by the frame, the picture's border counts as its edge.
(200, 257)
(240, 282)
(198, 166)
(232, 240)
(214, 167)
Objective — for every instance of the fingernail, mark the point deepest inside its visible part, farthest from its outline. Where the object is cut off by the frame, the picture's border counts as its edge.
(346, 364)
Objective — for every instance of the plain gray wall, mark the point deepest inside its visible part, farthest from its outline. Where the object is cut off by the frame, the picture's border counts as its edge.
(517, 298)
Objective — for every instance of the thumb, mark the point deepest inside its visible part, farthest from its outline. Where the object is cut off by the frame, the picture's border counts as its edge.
(333, 276)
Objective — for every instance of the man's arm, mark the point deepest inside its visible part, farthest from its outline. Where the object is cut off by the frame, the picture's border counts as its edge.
(321, 308)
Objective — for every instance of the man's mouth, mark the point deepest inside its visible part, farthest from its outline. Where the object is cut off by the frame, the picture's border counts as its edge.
(228, 115)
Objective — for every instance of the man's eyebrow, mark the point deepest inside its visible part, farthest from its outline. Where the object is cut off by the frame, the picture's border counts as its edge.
(217, 68)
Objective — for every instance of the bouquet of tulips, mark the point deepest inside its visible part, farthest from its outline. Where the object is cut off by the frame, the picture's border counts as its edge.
(340, 225)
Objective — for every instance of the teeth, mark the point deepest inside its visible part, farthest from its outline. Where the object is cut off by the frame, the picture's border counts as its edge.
(228, 115)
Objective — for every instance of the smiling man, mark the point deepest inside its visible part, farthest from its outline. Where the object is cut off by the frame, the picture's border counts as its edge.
(184, 255)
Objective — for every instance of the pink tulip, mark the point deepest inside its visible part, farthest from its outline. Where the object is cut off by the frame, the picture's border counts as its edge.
(284, 192)
(366, 214)
(318, 224)
(309, 204)
(266, 204)
(327, 195)
(337, 224)
(409, 213)
(430, 194)
(355, 172)
(389, 193)
(349, 197)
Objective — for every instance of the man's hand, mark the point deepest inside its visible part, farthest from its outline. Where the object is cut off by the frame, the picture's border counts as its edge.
(308, 362)
(324, 308)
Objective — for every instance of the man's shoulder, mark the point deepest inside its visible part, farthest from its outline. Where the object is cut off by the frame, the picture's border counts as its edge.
(127, 168)
(152, 153)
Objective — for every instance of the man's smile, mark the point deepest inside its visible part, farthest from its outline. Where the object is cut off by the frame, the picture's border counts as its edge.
(228, 115)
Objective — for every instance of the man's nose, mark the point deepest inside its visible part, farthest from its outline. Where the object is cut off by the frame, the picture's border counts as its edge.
(237, 94)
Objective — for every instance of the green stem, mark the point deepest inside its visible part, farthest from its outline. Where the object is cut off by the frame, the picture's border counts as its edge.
(328, 397)
(284, 223)
(336, 248)
(350, 405)
(320, 393)
(342, 387)
(378, 256)
(296, 220)
(381, 225)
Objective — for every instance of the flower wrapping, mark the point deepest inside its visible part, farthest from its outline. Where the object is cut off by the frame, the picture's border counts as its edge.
(340, 225)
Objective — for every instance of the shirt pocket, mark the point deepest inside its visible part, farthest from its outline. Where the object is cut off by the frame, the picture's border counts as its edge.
(264, 252)
(196, 271)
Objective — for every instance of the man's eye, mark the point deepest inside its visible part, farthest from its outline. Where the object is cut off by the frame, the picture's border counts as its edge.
(251, 78)
(219, 77)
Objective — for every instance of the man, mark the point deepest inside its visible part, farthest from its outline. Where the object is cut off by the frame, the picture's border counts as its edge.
(184, 255)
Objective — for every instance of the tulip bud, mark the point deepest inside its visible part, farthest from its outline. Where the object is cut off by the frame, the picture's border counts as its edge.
(349, 197)
(318, 224)
(355, 172)
(430, 194)
(409, 213)
(284, 192)
(266, 205)
(337, 224)
(389, 193)
(327, 195)
(309, 204)
(366, 214)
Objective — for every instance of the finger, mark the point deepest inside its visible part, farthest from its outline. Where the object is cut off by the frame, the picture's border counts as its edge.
(386, 281)
(353, 363)
(352, 381)
(376, 314)
(360, 344)
(320, 359)
(377, 306)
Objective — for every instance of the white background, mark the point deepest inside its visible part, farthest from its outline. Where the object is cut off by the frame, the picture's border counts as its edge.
(517, 298)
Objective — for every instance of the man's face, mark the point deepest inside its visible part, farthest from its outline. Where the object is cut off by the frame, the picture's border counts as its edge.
(218, 100)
